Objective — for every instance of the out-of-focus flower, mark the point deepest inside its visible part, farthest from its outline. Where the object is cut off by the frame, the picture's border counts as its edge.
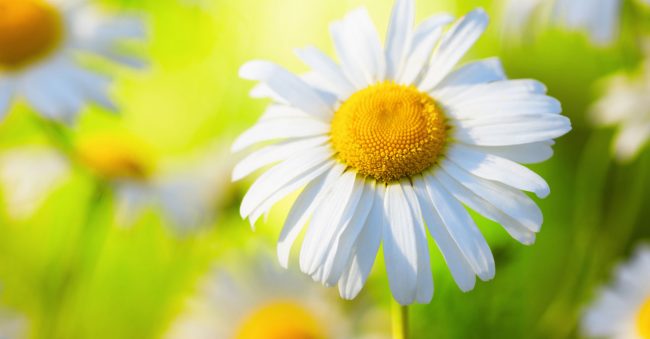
(260, 300)
(187, 193)
(40, 41)
(393, 140)
(27, 176)
(599, 18)
(12, 326)
(622, 310)
(626, 105)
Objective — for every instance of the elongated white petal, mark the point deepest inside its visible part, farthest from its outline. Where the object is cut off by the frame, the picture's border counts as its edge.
(456, 42)
(454, 257)
(365, 248)
(283, 112)
(288, 86)
(423, 42)
(330, 218)
(328, 70)
(299, 169)
(281, 128)
(499, 169)
(511, 201)
(503, 105)
(477, 200)
(399, 36)
(526, 154)
(272, 154)
(464, 95)
(359, 49)
(511, 130)
(93, 85)
(462, 229)
(339, 254)
(474, 73)
(400, 246)
(303, 208)
(424, 292)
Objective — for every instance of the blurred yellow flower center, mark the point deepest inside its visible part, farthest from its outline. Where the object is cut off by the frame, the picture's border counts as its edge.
(116, 157)
(29, 30)
(280, 320)
(389, 131)
(643, 320)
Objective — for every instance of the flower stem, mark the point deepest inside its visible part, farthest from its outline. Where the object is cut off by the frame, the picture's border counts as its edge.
(400, 320)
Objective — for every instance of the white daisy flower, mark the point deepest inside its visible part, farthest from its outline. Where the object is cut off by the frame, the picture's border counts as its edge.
(622, 310)
(260, 300)
(40, 41)
(626, 105)
(187, 195)
(599, 18)
(392, 141)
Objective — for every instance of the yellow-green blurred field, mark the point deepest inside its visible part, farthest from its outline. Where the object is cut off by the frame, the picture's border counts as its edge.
(74, 274)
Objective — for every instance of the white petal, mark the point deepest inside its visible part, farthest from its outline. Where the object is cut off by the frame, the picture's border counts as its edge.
(329, 71)
(44, 95)
(400, 246)
(455, 259)
(505, 105)
(424, 41)
(456, 42)
(340, 253)
(511, 130)
(478, 198)
(365, 249)
(462, 229)
(464, 95)
(94, 86)
(526, 154)
(283, 111)
(303, 208)
(359, 49)
(272, 154)
(281, 128)
(399, 36)
(330, 218)
(474, 73)
(288, 86)
(296, 171)
(499, 169)
(424, 292)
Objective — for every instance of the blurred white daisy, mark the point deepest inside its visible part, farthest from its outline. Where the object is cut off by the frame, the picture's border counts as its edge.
(188, 194)
(390, 141)
(40, 41)
(12, 326)
(259, 300)
(626, 105)
(622, 309)
(599, 18)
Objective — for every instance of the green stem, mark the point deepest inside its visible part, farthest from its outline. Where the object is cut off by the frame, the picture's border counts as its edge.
(399, 320)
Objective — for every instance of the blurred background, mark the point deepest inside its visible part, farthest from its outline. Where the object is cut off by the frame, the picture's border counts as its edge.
(74, 269)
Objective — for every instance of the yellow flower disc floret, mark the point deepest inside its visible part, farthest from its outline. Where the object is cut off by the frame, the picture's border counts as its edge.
(389, 131)
(280, 320)
(643, 320)
(116, 156)
(29, 30)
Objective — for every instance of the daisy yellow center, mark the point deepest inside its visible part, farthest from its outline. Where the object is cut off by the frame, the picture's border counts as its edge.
(280, 320)
(643, 320)
(389, 131)
(115, 157)
(29, 29)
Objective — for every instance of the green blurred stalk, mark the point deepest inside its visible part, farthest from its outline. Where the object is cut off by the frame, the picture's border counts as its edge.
(399, 320)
